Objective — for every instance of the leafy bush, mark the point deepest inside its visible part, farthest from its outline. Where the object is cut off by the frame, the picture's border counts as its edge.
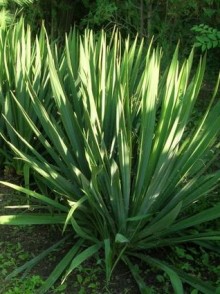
(122, 166)
(207, 37)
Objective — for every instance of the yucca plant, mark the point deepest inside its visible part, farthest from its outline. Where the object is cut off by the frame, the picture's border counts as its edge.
(20, 56)
(123, 167)
(9, 9)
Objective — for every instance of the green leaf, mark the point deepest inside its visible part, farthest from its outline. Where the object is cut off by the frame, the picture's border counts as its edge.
(144, 289)
(81, 257)
(119, 238)
(212, 37)
(200, 39)
(30, 219)
(74, 207)
(37, 196)
(108, 258)
(174, 278)
(197, 44)
(31, 263)
(164, 223)
(199, 218)
(177, 275)
(215, 43)
(139, 218)
(204, 47)
(59, 269)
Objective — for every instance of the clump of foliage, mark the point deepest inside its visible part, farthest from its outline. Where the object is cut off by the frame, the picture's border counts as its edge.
(16, 61)
(9, 10)
(121, 167)
(13, 255)
(207, 37)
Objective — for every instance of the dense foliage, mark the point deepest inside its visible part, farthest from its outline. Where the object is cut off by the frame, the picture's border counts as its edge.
(104, 131)
(168, 21)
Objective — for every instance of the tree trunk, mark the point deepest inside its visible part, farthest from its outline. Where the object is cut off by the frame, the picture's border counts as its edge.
(149, 20)
(141, 18)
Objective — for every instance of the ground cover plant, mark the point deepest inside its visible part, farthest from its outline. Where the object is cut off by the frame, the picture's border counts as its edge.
(119, 168)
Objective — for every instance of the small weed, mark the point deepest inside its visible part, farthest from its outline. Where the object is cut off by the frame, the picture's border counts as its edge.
(87, 278)
(12, 255)
(26, 286)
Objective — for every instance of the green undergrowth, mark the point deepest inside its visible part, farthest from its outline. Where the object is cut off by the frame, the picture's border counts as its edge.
(88, 278)
(19, 244)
